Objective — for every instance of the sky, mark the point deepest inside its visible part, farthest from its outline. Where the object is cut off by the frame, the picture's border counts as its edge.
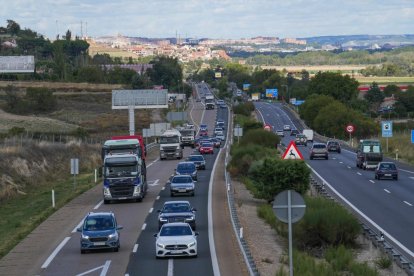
(211, 18)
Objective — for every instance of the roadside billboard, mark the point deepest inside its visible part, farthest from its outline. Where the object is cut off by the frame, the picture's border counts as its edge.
(271, 93)
(17, 64)
(246, 86)
(217, 75)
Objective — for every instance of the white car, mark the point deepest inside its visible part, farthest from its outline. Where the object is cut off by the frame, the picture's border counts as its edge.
(176, 239)
(286, 128)
(218, 131)
(220, 136)
(280, 133)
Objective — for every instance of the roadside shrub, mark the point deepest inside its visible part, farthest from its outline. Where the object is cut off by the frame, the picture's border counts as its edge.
(244, 109)
(384, 262)
(303, 264)
(14, 131)
(273, 175)
(260, 137)
(244, 156)
(362, 269)
(325, 223)
(339, 257)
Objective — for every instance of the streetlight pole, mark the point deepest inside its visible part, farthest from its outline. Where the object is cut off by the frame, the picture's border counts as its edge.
(287, 92)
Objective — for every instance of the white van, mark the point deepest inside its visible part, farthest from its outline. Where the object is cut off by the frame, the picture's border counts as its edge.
(309, 134)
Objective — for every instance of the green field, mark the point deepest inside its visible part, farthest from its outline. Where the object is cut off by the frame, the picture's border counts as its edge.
(385, 80)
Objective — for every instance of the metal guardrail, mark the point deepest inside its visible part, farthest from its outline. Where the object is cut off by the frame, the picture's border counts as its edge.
(244, 247)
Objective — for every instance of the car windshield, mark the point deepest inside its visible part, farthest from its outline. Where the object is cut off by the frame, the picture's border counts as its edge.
(319, 146)
(188, 166)
(98, 223)
(176, 230)
(176, 208)
(333, 143)
(388, 166)
(196, 158)
(182, 179)
(207, 145)
(169, 140)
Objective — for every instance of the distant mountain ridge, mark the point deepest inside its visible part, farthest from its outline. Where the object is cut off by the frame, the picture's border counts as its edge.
(361, 40)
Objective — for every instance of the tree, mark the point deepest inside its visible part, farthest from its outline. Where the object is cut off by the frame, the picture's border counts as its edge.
(68, 35)
(341, 88)
(313, 104)
(141, 82)
(12, 27)
(374, 96)
(332, 120)
(304, 75)
(166, 71)
(391, 89)
(41, 99)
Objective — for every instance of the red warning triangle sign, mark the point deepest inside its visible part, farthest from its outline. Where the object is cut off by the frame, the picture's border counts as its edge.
(292, 152)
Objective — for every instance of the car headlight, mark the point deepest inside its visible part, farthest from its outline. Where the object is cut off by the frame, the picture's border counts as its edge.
(191, 244)
(194, 173)
(178, 147)
(107, 192)
(160, 245)
(113, 236)
(137, 190)
(85, 237)
(163, 219)
(190, 218)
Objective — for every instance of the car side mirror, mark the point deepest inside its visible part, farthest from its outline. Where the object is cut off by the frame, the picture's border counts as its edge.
(159, 211)
(196, 234)
(194, 209)
(79, 229)
(155, 235)
(119, 227)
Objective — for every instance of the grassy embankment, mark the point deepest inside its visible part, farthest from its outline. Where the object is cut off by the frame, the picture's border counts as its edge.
(21, 214)
(400, 143)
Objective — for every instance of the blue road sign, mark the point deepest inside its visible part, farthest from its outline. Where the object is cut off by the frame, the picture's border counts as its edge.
(246, 86)
(412, 136)
(271, 93)
(386, 127)
(299, 102)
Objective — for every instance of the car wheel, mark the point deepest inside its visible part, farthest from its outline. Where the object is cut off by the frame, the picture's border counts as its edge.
(116, 249)
(107, 201)
(192, 194)
(375, 177)
(311, 158)
(172, 194)
(339, 151)
(83, 251)
(396, 178)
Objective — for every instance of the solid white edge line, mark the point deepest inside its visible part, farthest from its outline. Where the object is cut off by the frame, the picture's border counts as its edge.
(340, 162)
(77, 226)
(150, 210)
(405, 171)
(387, 191)
(55, 252)
(358, 173)
(105, 268)
(170, 271)
(407, 203)
(372, 181)
(144, 226)
(408, 251)
(134, 250)
(98, 205)
(349, 167)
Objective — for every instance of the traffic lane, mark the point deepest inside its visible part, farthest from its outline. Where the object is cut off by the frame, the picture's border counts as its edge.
(389, 213)
(144, 261)
(70, 253)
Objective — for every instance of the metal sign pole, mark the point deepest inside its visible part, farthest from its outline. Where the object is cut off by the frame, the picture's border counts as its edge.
(387, 144)
(290, 234)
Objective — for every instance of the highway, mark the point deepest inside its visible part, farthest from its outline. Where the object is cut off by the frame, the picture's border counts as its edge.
(139, 220)
(386, 205)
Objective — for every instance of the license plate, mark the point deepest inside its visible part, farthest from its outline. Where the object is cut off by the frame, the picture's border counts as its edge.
(176, 251)
(182, 190)
(387, 174)
(122, 198)
(99, 243)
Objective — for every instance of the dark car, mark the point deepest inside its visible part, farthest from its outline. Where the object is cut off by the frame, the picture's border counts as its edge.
(198, 160)
(301, 139)
(318, 150)
(99, 231)
(177, 211)
(293, 132)
(333, 146)
(187, 168)
(181, 185)
(216, 142)
(386, 170)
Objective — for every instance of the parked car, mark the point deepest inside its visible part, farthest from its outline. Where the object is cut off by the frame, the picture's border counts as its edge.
(280, 133)
(286, 127)
(198, 160)
(206, 148)
(187, 168)
(176, 239)
(319, 150)
(386, 170)
(177, 211)
(99, 231)
(293, 132)
(182, 184)
(301, 139)
(333, 146)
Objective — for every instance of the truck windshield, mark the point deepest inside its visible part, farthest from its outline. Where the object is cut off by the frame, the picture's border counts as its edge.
(372, 148)
(121, 171)
(169, 140)
(186, 132)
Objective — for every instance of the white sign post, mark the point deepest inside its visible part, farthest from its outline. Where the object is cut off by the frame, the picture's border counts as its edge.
(74, 169)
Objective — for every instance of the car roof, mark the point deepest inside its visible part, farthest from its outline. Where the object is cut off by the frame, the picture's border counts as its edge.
(185, 162)
(176, 224)
(198, 155)
(100, 214)
(177, 201)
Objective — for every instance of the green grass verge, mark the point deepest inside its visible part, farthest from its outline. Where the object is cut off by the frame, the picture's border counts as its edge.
(22, 214)
(384, 80)
(400, 143)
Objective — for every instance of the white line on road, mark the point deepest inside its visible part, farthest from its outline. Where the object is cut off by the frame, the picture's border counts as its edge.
(406, 171)
(412, 177)
(340, 162)
(349, 167)
(77, 226)
(158, 197)
(135, 248)
(170, 267)
(104, 267)
(358, 173)
(409, 204)
(387, 191)
(163, 188)
(98, 205)
(333, 158)
(150, 211)
(55, 252)
(372, 181)
(144, 226)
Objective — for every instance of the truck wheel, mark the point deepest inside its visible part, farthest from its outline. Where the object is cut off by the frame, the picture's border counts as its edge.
(107, 201)
(83, 251)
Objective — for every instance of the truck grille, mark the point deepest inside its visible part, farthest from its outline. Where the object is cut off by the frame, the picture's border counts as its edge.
(169, 149)
(121, 190)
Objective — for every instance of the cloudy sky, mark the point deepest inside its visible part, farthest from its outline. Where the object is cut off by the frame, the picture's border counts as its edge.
(211, 18)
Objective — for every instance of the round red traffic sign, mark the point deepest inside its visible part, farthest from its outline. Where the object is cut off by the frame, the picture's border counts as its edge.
(350, 128)
(267, 127)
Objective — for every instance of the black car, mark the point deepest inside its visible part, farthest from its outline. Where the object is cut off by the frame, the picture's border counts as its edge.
(177, 211)
(198, 160)
(333, 146)
(386, 170)
(293, 132)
